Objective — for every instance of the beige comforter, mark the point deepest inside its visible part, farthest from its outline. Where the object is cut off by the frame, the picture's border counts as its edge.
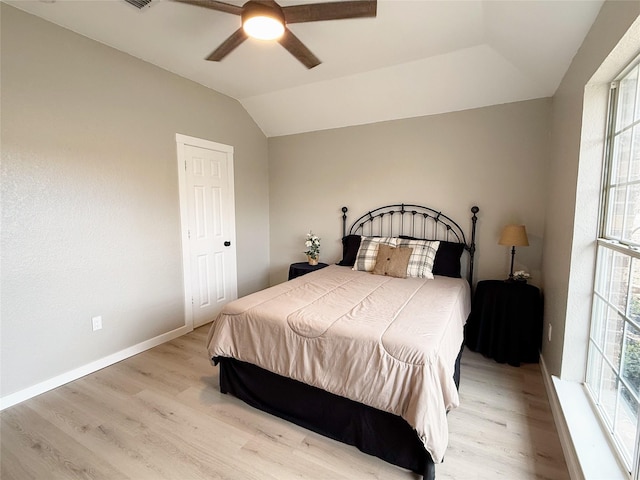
(386, 342)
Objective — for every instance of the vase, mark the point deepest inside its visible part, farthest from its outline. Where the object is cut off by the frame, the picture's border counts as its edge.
(312, 261)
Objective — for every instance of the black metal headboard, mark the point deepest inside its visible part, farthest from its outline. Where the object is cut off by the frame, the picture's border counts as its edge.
(415, 221)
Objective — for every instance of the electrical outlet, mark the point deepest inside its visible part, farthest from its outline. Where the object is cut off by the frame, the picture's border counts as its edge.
(549, 332)
(96, 322)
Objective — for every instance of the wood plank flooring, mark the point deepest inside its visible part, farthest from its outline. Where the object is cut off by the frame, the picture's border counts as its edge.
(160, 415)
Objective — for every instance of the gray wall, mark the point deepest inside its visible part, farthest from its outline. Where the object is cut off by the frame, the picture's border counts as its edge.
(572, 207)
(494, 157)
(90, 212)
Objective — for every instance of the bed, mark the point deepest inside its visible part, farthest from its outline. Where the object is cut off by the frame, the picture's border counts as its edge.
(366, 351)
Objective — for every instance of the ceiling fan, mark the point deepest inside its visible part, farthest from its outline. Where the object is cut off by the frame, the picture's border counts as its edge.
(268, 14)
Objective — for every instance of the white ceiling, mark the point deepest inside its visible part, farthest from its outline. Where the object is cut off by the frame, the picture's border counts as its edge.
(417, 57)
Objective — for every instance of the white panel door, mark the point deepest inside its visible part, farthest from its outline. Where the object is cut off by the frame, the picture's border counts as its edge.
(208, 223)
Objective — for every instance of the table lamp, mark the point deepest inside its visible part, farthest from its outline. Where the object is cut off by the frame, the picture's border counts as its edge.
(516, 236)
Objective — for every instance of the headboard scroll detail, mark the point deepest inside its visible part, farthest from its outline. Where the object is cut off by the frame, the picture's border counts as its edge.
(415, 221)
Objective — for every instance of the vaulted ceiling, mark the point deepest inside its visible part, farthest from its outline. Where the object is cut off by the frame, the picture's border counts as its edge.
(417, 57)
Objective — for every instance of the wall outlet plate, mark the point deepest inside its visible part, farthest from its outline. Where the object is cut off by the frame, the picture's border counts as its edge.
(96, 323)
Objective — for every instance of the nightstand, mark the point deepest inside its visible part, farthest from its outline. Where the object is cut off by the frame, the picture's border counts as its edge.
(506, 322)
(302, 268)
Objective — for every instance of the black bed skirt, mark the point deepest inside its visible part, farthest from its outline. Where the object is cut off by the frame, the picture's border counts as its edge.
(382, 434)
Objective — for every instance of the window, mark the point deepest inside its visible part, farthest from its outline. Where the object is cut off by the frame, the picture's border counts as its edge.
(613, 370)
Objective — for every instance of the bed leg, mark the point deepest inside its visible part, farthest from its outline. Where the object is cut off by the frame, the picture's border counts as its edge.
(429, 471)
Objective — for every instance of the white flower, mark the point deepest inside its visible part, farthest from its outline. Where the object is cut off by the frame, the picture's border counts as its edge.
(313, 245)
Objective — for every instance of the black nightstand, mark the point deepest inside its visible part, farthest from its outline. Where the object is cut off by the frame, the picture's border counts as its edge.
(506, 322)
(302, 268)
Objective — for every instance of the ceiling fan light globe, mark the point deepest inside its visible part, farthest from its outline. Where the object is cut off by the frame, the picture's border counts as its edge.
(263, 27)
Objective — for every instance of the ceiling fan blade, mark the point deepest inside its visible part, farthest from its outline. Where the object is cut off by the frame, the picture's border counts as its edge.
(228, 45)
(214, 5)
(330, 11)
(298, 49)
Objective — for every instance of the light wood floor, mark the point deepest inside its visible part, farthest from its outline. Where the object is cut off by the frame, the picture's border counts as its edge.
(159, 415)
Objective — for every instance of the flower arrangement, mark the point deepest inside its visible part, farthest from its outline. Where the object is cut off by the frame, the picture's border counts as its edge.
(521, 276)
(313, 246)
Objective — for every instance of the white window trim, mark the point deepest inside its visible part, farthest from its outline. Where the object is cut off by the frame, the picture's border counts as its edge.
(588, 450)
(628, 249)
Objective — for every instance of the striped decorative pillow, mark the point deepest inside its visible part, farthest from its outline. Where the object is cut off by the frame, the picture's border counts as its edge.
(368, 252)
(422, 258)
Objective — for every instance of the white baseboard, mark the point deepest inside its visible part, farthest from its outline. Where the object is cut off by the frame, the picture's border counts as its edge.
(50, 384)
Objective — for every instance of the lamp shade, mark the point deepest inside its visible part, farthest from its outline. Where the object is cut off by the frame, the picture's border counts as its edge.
(514, 235)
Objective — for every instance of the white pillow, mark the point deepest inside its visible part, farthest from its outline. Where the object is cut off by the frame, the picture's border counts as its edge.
(422, 257)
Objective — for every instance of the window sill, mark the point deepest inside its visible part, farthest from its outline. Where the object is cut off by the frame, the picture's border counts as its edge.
(587, 450)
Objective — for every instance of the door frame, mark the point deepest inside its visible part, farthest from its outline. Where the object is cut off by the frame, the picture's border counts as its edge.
(181, 141)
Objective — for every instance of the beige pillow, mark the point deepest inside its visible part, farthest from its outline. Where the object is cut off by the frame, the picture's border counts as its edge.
(392, 261)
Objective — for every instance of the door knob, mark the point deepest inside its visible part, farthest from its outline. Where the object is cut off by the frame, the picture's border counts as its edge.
(227, 243)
